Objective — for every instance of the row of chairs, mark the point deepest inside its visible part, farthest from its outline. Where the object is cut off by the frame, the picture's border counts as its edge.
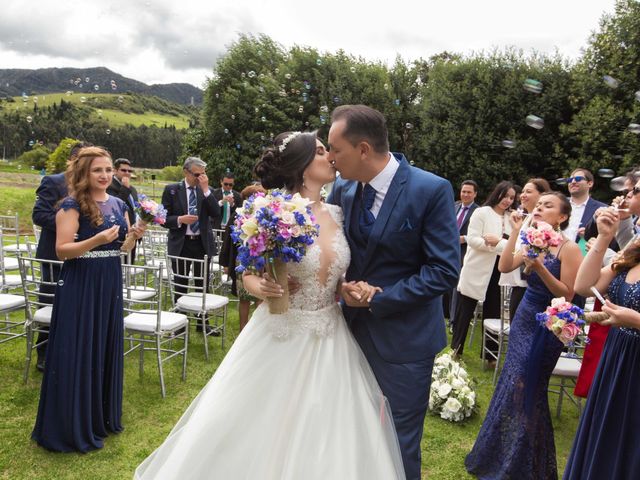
(496, 332)
(149, 325)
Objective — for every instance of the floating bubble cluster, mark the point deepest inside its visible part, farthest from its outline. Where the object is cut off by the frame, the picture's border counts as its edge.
(531, 85)
(611, 82)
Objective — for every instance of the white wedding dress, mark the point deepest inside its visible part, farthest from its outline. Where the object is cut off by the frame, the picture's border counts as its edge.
(294, 398)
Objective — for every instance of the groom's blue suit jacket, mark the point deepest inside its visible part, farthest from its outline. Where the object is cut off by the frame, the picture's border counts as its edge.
(413, 253)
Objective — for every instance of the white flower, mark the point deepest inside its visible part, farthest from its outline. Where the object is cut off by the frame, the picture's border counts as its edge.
(452, 405)
(457, 384)
(260, 202)
(462, 373)
(444, 390)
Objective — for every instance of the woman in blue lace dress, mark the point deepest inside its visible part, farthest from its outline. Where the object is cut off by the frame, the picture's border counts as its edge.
(606, 444)
(516, 438)
(81, 393)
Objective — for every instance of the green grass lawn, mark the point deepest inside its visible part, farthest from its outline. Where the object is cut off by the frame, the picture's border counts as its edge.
(148, 418)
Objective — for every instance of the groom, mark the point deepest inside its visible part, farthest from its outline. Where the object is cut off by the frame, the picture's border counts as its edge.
(400, 222)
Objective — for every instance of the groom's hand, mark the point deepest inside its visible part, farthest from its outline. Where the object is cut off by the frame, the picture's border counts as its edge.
(358, 294)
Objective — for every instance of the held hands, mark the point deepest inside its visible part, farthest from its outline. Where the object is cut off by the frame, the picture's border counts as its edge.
(108, 235)
(620, 316)
(358, 294)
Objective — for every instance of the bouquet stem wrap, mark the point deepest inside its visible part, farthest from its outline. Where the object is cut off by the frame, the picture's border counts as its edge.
(279, 305)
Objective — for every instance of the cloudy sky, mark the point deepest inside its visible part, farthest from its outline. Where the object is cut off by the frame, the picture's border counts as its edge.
(162, 41)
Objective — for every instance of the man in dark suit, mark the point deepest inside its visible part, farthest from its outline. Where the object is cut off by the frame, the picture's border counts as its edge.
(582, 205)
(121, 188)
(464, 208)
(583, 208)
(228, 199)
(399, 222)
(190, 204)
(51, 190)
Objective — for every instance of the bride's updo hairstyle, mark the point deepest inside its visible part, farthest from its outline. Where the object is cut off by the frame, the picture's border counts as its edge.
(283, 164)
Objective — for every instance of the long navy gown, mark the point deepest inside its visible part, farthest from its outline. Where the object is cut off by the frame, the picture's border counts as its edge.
(81, 394)
(516, 438)
(606, 444)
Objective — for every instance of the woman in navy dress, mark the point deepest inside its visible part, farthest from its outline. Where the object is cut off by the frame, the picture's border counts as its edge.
(606, 444)
(516, 438)
(81, 394)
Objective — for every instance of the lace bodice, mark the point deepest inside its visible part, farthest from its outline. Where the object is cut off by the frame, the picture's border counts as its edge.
(310, 308)
(313, 293)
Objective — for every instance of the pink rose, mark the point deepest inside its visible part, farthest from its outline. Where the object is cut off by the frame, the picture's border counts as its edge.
(568, 333)
(538, 242)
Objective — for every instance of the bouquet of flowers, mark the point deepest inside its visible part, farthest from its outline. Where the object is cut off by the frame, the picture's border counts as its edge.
(451, 396)
(564, 319)
(270, 230)
(537, 239)
(148, 211)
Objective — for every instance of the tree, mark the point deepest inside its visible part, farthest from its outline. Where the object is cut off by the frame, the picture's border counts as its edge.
(57, 161)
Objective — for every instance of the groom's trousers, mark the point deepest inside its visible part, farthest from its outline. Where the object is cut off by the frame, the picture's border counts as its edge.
(406, 386)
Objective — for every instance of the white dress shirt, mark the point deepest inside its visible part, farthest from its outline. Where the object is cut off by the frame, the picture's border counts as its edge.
(382, 182)
(577, 210)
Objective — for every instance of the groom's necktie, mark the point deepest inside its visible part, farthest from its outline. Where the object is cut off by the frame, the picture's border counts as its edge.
(367, 219)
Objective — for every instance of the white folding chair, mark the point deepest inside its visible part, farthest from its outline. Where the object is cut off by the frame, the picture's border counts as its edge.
(188, 281)
(475, 320)
(9, 262)
(497, 330)
(147, 326)
(39, 284)
(9, 282)
(10, 226)
(37, 231)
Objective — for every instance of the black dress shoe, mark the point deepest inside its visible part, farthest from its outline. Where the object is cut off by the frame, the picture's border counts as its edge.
(40, 364)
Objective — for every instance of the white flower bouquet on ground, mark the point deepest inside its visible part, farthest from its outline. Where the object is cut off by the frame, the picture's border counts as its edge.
(452, 395)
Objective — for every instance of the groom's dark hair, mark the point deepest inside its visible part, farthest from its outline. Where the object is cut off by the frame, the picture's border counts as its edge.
(363, 123)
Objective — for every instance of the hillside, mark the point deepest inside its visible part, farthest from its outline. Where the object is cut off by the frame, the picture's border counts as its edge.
(15, 82)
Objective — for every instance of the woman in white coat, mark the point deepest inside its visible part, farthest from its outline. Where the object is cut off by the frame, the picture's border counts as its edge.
(487, 235)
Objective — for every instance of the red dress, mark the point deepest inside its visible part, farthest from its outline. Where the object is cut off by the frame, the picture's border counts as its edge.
(597, 336)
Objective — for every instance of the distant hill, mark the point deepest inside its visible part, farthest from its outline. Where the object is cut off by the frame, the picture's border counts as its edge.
(14, 82)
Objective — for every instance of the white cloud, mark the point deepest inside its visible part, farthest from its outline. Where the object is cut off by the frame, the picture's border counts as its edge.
(179, 41)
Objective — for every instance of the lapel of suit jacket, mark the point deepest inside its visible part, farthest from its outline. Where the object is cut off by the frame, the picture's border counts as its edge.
(182, 197)
(348, 197)
(390, 199)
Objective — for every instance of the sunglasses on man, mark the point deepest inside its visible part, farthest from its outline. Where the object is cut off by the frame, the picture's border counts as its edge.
(577, 178)
(634, 191)
(126, 170)
(227, 184)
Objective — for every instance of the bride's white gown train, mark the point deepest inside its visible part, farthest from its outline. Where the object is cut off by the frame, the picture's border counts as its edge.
(293, 399)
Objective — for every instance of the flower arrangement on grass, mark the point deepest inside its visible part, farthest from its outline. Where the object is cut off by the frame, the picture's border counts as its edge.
(452, 396)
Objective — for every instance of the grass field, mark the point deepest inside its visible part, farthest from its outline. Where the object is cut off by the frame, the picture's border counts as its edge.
(114, 117)
(148, 418)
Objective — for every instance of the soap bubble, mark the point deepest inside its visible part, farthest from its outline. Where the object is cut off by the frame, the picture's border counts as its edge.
(283, 93)
(386, 86)
(83, 99)
(35, 99)
(99, 113)
(96, 87)
(606, 173)
(319, 61)
(226, 131)
(618, 184)
(60, 283)
(287, 76)
(69, 93)
(634, 128)
(29, 119)
(233, 117)
(336, 100)
(300, 109)
(533, 86)
(31, 143)
(263, 119)
(120, 98)
(323, 120)
(251, 74)
(114, 86)
(508, 143)
(86, 80)
(408, 126)
(324, 109)
(238, 146)
(637, 94)
(611, 82)
(397, 102)
(353, 69)
(108, 131)
(534, 122)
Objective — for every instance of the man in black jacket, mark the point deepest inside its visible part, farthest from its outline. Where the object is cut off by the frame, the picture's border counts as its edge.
(121, 187)
(228, 199)
(190, 204)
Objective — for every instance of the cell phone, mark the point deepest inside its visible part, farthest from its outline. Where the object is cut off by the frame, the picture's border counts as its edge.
(598, 295)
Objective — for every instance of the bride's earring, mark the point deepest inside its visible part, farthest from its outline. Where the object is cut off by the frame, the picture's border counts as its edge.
(303, 185)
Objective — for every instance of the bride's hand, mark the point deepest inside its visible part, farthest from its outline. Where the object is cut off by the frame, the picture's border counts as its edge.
(269, 288)
(367, 291)
(293, 284)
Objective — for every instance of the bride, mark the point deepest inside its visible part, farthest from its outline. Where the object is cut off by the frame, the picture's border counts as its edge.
(294, 397)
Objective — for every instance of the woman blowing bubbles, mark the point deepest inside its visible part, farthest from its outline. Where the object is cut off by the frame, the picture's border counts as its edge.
(81, 395)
